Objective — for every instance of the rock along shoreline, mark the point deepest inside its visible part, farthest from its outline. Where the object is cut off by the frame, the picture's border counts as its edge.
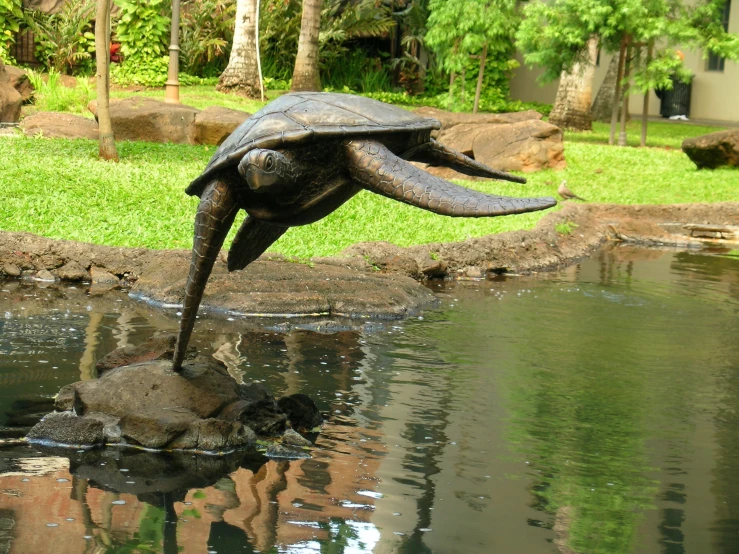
(373, 279)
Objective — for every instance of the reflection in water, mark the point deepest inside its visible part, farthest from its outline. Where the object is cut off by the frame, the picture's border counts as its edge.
(589, 411)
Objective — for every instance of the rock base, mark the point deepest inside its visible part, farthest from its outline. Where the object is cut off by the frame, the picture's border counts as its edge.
(146, 404)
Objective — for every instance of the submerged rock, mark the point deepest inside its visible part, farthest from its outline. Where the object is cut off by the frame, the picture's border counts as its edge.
(293, 438)
(288, 452)
(68, 428)
(301, 411)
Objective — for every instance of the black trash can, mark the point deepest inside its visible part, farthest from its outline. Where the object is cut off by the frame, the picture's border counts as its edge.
(675, 101)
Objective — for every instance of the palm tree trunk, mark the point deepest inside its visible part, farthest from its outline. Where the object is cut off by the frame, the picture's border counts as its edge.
(305, 75)
(107, 149)
(242, 75)
(575, 94)
(603, 103)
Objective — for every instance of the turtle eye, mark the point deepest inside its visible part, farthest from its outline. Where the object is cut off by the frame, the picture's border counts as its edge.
(269, 163)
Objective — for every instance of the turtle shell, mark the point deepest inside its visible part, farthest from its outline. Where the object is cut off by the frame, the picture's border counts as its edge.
(299, 117)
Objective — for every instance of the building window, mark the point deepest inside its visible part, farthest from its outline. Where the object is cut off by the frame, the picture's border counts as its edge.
(715, 62)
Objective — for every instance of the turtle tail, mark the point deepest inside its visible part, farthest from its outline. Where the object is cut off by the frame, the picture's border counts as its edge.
(376, 168)
(215, 216)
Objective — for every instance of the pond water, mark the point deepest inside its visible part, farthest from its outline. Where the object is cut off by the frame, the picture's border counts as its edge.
(588, 411)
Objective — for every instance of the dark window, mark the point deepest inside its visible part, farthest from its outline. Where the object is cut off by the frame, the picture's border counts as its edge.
(716, 63)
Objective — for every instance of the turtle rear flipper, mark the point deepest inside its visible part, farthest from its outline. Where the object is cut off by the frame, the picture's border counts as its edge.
(251, 241)
(377, 169)
(435, 153)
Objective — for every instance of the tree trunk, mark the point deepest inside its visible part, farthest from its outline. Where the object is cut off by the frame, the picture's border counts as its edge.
(575, 94)
(241, 75)
(625, 97)
(305, 75)
(107, 149)
(603, 103)
(617, 92)
(464, 82)
(480, 75)
(645, 105)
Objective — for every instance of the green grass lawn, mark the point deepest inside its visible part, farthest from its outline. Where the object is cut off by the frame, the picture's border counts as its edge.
(201, 96)
(58, 188)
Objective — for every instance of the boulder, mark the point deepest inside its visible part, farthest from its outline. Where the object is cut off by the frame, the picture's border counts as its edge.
(72, 271)
(528, 145)
(450, 119)
(714, 150)
(10, 99)
(140, 118)
(100, 276)
(60, 125)
(68, 428)
(147, 404)
(278, 287)
(21, 83)
(215, 123)
(203, 387)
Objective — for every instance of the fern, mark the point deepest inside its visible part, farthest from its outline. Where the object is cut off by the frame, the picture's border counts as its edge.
(64, 40)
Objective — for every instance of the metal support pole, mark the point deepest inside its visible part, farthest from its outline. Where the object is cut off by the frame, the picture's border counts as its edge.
(172, 86)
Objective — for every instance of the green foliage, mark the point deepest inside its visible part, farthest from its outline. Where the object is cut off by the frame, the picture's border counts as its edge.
(554, 35)
(148, 72)
(340, 24)
(411, 23)
(280, 29)
(143, 30)
(488, 102)
(151, 72)
(64, 40)
(11, 14)
(356, 72)
(458, 29)
(50, 95)
(206, 34)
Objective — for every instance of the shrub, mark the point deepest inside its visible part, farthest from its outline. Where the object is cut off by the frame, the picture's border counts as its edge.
(11, 15)
(206, 35)
(51, 95)
(151, 72)
(142, 29)
(64, 40)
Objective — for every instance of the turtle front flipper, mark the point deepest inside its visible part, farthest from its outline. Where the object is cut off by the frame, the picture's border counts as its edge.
(377, 169)
(215, 216)
(435, 153)
(252, 239)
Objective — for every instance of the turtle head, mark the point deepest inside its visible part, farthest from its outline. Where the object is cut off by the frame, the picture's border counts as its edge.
(266, 170)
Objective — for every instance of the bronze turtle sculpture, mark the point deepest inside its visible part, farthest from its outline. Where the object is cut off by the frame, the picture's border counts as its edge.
(304, 155)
